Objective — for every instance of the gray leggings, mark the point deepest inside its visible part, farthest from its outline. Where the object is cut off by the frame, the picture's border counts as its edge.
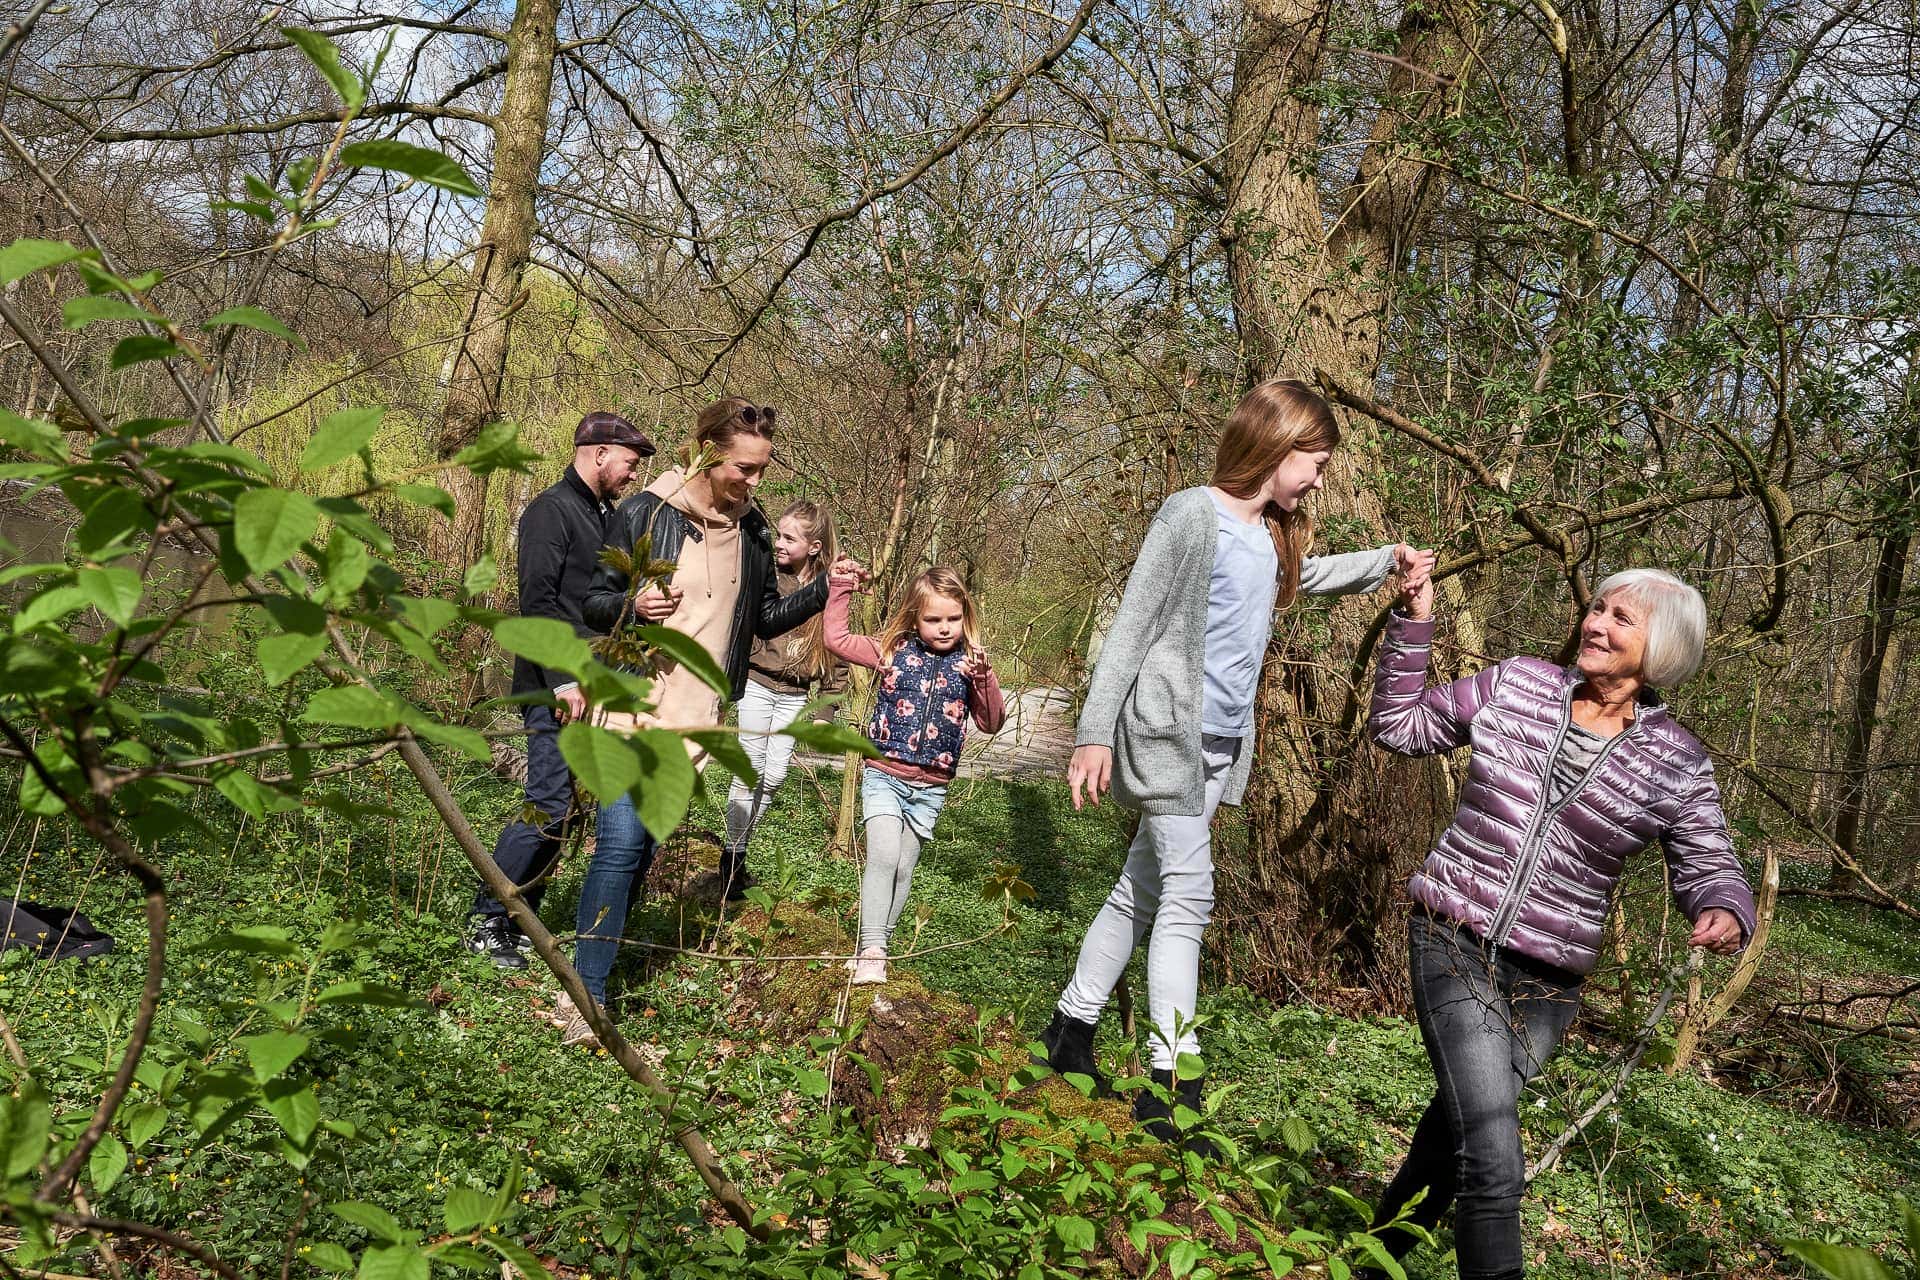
(892, 851)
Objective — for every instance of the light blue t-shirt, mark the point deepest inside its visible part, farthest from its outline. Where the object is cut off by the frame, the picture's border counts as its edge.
(1239, 621)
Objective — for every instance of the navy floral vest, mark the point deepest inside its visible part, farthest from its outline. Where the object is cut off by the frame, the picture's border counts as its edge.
(920, 713)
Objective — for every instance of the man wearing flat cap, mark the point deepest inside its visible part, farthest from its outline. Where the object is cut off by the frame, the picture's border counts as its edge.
(560, 536)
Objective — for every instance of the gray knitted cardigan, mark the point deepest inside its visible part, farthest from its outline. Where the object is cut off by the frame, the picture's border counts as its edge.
(1149, 684)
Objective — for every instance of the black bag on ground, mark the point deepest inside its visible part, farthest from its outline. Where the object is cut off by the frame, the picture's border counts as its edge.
(55, 933)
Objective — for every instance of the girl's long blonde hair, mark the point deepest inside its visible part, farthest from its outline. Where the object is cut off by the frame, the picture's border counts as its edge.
(813, 632)
(1271, 421)
(904, 625)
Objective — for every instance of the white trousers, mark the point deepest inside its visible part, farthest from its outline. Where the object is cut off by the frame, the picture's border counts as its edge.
(762, 712)
(1166, 886)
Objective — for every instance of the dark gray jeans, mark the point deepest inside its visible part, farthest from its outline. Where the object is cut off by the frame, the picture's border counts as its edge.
(526, 851)
(1490, 1021)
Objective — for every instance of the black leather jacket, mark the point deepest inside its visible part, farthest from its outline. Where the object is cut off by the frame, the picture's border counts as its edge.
(760, 611)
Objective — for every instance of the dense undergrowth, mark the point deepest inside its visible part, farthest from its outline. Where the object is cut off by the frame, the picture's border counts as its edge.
(469, 1089)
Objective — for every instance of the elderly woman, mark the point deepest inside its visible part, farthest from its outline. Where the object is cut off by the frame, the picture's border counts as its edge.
(1573, 770)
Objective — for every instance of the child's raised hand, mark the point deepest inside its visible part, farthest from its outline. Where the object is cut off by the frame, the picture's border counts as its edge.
(1413, 564)
(974, 665)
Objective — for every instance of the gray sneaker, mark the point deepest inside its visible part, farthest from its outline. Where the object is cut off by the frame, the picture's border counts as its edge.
(493, 937)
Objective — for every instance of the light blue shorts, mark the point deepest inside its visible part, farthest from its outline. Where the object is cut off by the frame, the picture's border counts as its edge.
(884, 796)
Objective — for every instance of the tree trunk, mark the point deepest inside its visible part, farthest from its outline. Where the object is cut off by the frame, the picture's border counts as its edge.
(1876, 635)
(499, 270)
(1313, 286)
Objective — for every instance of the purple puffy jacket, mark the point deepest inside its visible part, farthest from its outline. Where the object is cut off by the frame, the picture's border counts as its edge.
(1534, 878)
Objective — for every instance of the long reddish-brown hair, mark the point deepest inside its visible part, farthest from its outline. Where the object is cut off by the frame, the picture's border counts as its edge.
(1270, 422)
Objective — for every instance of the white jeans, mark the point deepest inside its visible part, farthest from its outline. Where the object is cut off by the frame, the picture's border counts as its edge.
(1166, 885)
(762, 712)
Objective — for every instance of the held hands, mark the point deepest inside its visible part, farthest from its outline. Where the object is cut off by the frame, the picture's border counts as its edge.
(1415, 568)
(1092, 767)
(1718, 930)
(573, 704)
(847, 569)
(655, 605)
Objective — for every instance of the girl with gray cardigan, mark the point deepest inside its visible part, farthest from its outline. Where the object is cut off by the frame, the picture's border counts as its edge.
(1169, 712)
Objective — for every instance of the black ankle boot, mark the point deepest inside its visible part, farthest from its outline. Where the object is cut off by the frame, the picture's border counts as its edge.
(1069, 1045)
(1156, 1117)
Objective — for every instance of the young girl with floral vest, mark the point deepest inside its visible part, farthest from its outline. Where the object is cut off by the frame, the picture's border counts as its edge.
(933, 676)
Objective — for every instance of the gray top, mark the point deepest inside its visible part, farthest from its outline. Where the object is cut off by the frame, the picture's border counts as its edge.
(1149, 687)
(1578, 750)
(1239, 620)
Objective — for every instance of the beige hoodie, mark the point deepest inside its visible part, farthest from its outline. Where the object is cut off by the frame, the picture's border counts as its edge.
(708, 575)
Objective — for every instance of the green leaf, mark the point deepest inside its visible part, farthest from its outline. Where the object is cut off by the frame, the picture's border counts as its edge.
(143, 1122)
(272, 1052)
(1298, 1135)
(1354, 1203)
(369, 993)
(604, 761)
(254, 318)
(355, 706)
(111, 516)
(466, 1257)
(1840, 1261)
(1910, 1222)
(328, 1256)
(250, 795)
(1075, 1232)
(270, 524)
(82, 311)
(480, 577)
(547, 642)
(339, 436)
(466, 1209)
(429, 615)
(520, 1256)
(371, 1218)
(24, 1123)
(394, 1262)
(24, 257)
(49, 605)
(667, 780)
(107, 1162)
(726, 748)
(29, 435)
(322, 54)
(426, 495)
(284, 656)
(834, 738)
(139, 348)
(253, 939)
(497, 449)
(347, 565)
(114, 592)
(689, 653)
(468, 742)
(1181, 1258)
(395, 156)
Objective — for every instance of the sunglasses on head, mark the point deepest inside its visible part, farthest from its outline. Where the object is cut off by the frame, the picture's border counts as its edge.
(753, 417)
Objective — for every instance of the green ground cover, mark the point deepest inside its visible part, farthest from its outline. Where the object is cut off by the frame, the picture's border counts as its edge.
(470, 1088)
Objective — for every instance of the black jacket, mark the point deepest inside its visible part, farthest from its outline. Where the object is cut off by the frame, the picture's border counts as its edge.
(761, 611)
(561, 533)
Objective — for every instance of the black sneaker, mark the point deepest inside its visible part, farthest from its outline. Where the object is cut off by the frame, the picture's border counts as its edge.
(493, 937)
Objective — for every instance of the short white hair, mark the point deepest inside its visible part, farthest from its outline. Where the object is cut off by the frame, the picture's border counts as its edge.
(1676, 623)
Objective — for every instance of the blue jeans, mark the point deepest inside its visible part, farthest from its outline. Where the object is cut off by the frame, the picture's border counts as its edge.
(621, 855)
(526, 851)
(1490, 1018)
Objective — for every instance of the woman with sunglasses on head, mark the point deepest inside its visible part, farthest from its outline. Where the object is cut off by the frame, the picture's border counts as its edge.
(724, 592)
